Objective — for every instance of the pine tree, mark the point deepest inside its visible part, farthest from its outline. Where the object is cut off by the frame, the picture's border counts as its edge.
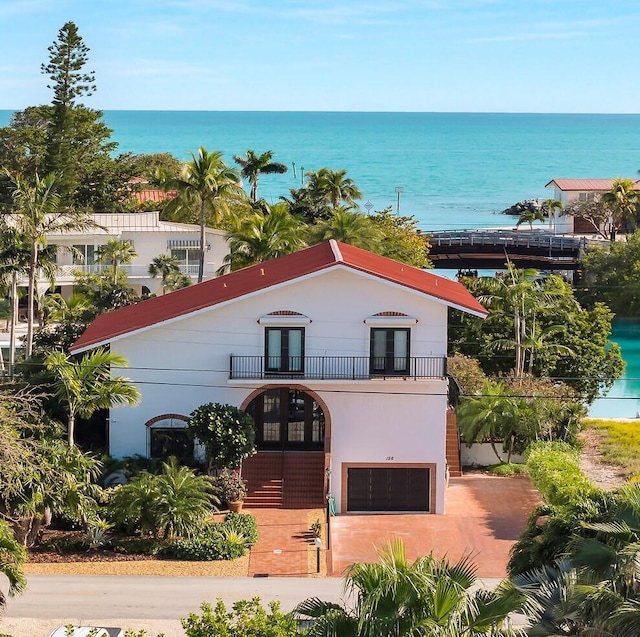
(67, 58)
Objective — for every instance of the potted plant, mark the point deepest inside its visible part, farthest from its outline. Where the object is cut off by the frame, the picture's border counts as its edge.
(231, 488)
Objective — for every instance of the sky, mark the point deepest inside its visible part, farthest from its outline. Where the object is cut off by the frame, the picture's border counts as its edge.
(563, 56)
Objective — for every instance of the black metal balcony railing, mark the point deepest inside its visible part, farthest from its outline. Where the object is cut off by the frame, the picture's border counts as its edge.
(335, 367)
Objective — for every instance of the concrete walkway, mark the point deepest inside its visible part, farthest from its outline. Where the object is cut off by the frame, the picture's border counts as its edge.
(484, 517)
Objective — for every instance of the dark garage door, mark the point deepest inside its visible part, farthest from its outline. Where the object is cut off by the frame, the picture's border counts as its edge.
(387, 489)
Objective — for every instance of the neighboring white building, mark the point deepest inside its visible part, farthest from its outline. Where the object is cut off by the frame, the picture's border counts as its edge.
(149, 236)
(570, 191)
(340, 356)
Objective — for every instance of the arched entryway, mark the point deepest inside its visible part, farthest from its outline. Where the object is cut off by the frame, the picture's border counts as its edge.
(292, 438)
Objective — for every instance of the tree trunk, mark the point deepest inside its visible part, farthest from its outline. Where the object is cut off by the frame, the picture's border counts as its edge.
(493, 446)
(202, 244)
(32, 286)
(14, 320)
(71, 424)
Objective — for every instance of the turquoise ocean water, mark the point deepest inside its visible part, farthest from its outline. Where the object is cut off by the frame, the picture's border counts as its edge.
(457, 170)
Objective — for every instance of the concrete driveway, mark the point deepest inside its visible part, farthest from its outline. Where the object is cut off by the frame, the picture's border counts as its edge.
(484, 517)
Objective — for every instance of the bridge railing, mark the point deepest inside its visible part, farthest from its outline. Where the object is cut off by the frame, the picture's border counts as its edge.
(508, 238)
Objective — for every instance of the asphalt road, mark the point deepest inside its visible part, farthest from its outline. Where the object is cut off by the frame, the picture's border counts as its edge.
(154, 604)
(146, 597)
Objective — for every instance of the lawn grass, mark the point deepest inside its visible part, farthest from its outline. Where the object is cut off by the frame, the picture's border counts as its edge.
(620, 443)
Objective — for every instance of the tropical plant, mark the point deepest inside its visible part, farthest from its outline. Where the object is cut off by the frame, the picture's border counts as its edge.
(403, 240)
(87, 385)
(175, 503)
(226, 433)
(262, 236)
(529, 216)
(493, 415)
(550, 207)
(253, 165)
(114, 252)
(349, 227)
(622, 201)
(204, 189)
(12, 557)
(397, 598)
(248, 618)
(15, 256)
(332, 187)
(38, 214)
(164, 265)
(610, 275)
(525, 315)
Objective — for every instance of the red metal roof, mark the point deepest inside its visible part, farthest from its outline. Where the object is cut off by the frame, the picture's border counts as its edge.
(261, 276)
(153, 194)
(585, 185)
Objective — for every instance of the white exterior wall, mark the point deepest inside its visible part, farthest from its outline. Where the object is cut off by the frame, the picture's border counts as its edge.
(150, 238)
(480, 454)
(184, 364)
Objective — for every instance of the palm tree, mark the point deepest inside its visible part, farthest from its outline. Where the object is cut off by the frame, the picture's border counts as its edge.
(622, 200)
(15, 256)
(176, 281)
(349, 227)
(252, 166)
(261, 237)
(164, 265)
(332, 187)
(56, 308)
(12, 556)
(397, 598)
(205, 186)
(529, 216)
(491, 415)
(87, 385)
(38, 214)
(114, 252)
(550, 206)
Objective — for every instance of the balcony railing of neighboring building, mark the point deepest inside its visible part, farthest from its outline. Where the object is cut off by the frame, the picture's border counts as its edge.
(130, 270)
(335, 367)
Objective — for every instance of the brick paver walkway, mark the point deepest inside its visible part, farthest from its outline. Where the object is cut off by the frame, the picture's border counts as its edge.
(484, 517)
(283, 543)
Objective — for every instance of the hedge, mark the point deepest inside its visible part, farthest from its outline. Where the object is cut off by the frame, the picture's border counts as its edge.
(555, 471)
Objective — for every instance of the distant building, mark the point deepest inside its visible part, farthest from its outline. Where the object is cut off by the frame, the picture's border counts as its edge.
(149, 236)
(570, 191)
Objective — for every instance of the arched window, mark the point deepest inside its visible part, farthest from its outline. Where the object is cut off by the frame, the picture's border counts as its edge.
(288, 419)
(169, 436)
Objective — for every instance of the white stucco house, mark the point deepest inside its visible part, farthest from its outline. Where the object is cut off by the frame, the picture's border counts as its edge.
(149, 236)
(340, 356)
(570, 191)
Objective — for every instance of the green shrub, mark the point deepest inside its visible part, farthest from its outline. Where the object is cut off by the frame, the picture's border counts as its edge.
(552, 530)
(174, 503)
(242, 523)
(225, 540)
(248, 618)
(138, 546)
(555, 471)
(507, 469)
(213, 548)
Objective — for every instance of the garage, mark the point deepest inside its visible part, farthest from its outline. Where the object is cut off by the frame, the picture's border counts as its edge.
(388, 489)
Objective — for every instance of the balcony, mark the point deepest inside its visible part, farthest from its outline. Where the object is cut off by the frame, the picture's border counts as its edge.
(132, 271)
(335, 368)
